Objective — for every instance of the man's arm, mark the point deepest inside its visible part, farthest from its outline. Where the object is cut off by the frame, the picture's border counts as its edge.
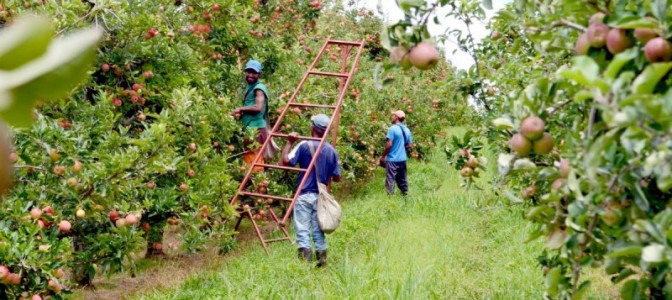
(388, 147)
(259, 99)
(291, 139)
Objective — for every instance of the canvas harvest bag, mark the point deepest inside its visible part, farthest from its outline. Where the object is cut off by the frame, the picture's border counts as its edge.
(328, 210)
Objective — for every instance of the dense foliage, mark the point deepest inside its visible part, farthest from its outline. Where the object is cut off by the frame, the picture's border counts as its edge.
(147, 141)
(595, 76)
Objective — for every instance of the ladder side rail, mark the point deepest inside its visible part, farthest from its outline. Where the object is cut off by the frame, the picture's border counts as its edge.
(325, 136)
(248, 175)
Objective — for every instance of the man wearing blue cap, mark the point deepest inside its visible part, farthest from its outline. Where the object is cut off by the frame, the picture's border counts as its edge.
(394, 157)
(254, 112)
(305, 208)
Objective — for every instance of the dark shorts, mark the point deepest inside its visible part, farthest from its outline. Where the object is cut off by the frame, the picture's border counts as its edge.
(396, 173)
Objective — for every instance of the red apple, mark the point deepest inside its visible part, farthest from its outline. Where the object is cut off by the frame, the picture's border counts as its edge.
(424, 56)
(35, 213)
(131, 219)
(48, 211)
(4, 272)
(105, 68)
(64, 226)
(114, 216)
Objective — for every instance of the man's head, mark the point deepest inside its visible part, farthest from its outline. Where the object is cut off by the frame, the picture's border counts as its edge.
(399, 116)
(252, 71)
(320, 123)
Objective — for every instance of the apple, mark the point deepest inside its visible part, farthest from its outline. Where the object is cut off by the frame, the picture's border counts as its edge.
(141, 117)
(77, 166)
(48, 211)
(80, 213)
(466, 172)
(116, 102)
(146, 226)
(399, 55)
(645, 34)
(558, 183)
(105, 68)
(192, 147)
(4, 272)
(53, 154)
(597, 34)
(157, 246)
(14, 278)
(64, 226)
(148, 74)
(532, 128)
(36, 297)
(495, 35)
(424, 56)
(59, 170)
(618, 41)
(520, 144)
(131, 219)
(472, 162)
(544, 145)
(191, 173)
(43, 248)
(582, 44)
(151, 185)
(13, 157)
(183, 187)
(54, 286)
(59, 273)
(658, 50)
(35, 213)
(597, 18)
(136, 87)
(72, 182)
(114, 216)
(529, 191)
(120, 223)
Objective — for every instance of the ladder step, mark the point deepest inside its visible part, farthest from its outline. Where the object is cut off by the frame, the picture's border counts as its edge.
(265, 196)
(276, 240)
(312, 105)
(337, 42)
(279, 167)
(344, 75)
(299, 137)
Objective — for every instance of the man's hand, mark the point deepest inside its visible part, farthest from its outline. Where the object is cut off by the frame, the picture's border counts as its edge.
(382, 160)
(235, 112)
(292, 137)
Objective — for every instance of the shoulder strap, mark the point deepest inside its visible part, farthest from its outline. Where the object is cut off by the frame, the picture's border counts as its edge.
(403, 133)
(312, 151)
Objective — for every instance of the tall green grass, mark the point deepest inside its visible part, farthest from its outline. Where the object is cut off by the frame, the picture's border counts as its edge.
(441, 242)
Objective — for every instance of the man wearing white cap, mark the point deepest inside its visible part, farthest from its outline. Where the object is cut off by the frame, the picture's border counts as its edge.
(305, 208)
(394, 156)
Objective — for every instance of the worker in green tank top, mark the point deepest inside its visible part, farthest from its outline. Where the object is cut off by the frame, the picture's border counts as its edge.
(254, 111)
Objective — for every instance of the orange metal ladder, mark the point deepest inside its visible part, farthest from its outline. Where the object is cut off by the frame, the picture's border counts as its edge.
(345, 78)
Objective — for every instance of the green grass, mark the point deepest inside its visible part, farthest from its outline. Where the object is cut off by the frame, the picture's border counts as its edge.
(439, 243)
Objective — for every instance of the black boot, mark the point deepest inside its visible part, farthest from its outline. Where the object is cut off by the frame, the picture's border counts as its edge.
(306, 253)
(321, 258)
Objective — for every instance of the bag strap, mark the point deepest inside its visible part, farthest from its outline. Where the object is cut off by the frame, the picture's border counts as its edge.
(312, 151)
(403, 134)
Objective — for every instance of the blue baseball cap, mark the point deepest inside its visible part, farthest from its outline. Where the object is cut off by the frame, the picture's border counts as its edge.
(253, 65)
(320, 121)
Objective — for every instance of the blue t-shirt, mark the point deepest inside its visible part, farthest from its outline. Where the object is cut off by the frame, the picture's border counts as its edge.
(327, 164)
(398, 151)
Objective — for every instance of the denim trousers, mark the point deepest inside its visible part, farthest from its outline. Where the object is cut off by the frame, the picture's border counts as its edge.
(305, 222)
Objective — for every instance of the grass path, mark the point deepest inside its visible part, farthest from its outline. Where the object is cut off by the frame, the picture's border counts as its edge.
(436, 244)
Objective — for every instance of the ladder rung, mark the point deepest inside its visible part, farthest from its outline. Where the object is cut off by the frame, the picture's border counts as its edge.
(265, 196)
(280, 167)
(345, 43)
(299, 137)
(344, 75)
(312, 105)
(276, 240)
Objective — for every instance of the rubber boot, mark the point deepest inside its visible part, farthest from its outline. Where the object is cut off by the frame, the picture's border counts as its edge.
(306, 254)
(321, 258)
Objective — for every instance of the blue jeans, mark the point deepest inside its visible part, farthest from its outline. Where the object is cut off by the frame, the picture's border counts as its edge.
(305, 222)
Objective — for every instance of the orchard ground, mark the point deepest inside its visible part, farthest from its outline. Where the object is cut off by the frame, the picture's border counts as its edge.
(441, 241)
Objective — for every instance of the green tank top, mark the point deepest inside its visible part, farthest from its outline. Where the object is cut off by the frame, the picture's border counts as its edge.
(254, 120)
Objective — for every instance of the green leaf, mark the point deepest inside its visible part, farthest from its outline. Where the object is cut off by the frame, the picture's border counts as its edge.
(619, 61)
(625, 251)
(552, 280)
(24, 40)
(487, 4)
(632, 22)
(408, 4)
(556, 239)
(659, 9)
(646, 82)
(584, 71)
(631, 290)
(48, 77)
